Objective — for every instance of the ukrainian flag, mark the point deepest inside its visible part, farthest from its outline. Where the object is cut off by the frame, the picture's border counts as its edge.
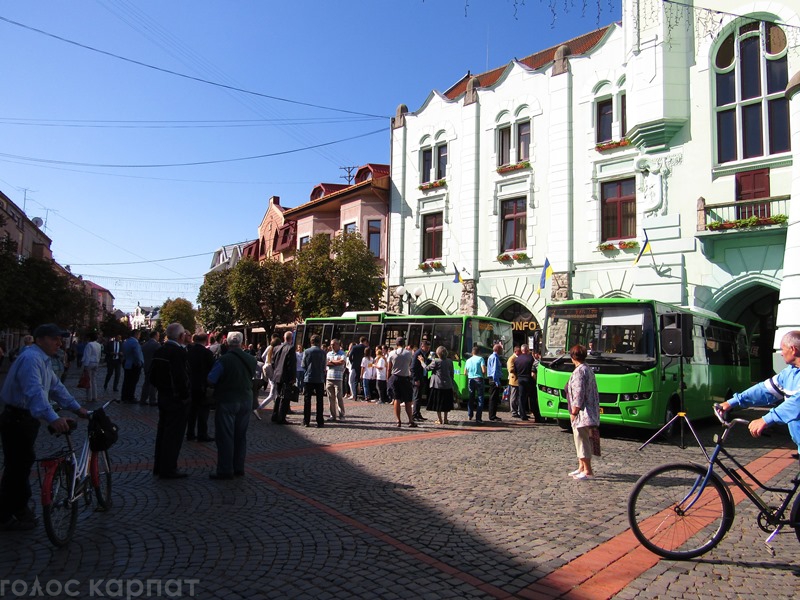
(547, 273)
(645, 247)
(458, 278)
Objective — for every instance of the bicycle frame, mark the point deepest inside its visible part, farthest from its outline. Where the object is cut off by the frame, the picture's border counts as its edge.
(772, 517)
(85, 470)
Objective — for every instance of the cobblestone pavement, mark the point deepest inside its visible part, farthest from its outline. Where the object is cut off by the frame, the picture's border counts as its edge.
(362, 509)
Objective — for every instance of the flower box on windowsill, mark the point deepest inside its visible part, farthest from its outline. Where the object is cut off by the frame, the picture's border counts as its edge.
(606, 247)
(509, 256)
(508, 168)
(627, 245)
(749, 222)
(430, 265)
(431, 185)
(603, 146)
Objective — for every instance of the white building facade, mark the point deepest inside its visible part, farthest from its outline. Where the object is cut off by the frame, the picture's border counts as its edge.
(674, 125)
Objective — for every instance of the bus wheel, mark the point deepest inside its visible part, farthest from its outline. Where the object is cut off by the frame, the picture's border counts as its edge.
(672, 410)
(564, 424)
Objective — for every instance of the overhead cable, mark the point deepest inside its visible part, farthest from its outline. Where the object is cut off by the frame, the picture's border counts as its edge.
(184, 75)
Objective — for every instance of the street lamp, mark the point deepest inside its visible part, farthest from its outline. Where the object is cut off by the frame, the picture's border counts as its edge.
(406, 296)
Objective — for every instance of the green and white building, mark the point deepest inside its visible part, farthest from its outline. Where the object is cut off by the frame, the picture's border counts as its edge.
(680, 124)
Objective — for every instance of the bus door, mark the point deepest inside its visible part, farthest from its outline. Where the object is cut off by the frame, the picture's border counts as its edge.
(414, 334)
(327, 333)
(375, 335)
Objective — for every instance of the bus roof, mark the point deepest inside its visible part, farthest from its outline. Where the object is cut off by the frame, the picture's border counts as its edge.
(701, 312)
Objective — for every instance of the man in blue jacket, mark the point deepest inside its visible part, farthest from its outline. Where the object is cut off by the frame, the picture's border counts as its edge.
(132, 363)
(29, 384)
(783, 386)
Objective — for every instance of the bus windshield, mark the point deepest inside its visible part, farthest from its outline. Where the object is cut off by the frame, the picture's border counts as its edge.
(623, 333)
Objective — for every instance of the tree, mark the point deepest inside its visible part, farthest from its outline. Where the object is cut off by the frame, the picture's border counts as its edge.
(216, 311)
(180, 311)
(314, 281)
(263, 292)
(336, 275)
(357, 276)
(111, 326)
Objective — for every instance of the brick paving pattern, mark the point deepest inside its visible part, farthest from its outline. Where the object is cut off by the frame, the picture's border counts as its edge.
(362, 509)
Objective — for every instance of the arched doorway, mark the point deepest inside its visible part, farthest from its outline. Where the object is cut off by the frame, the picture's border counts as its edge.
(526, 327)
(430, 310)
(756, 308)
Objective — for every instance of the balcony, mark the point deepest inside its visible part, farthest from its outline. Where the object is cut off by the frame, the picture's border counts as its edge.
(764, 218)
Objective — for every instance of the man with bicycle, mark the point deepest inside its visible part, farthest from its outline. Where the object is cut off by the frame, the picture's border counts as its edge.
(783, 386)
(29, 385)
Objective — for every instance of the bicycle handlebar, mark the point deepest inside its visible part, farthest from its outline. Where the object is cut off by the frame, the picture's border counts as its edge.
(720, 414)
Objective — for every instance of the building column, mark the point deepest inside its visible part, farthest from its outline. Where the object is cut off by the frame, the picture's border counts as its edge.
(789, 306)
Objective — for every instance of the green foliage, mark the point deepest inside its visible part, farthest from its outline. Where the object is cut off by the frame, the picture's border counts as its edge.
(262, 292)
(35, 291)
(216, 312)
(180, 311)
(110, 326)
(357, 276)
(314, 283)
(336, 275)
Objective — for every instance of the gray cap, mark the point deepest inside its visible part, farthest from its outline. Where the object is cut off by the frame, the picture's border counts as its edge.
(49, 330)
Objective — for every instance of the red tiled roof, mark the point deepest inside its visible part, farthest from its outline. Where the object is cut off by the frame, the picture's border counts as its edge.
(377, 170)
(379, 183)
(577, 46)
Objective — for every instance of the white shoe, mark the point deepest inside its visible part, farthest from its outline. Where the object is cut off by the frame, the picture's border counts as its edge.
(581, 476)
(573, 473)
(255, 412)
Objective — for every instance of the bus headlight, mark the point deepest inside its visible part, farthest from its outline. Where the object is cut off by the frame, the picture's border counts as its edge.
(637, 396)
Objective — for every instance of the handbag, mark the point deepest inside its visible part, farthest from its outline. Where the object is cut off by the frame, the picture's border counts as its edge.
(594, 437)
(85, 383)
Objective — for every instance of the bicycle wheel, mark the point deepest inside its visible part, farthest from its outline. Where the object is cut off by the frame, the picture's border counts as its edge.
(61, 514)
(101, 479)
(673, 517)
(795, 517)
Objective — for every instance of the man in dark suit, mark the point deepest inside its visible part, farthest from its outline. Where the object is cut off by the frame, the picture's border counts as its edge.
(169, 373)
(284, 373)
(113, 350)
(201, 359)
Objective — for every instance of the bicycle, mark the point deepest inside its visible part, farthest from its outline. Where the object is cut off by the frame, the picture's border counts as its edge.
(682, 510)
(65, 479)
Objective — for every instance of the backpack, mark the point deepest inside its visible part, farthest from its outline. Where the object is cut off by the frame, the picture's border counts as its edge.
(102, 432)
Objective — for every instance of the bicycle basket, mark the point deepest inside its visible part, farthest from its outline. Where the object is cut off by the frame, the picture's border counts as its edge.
(102, 432)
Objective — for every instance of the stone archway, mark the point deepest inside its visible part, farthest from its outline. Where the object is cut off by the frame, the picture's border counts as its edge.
(525, 324)
(430, 309)
(755, 307)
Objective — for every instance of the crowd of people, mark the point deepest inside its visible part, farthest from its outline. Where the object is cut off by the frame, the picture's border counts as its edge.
(188, 374)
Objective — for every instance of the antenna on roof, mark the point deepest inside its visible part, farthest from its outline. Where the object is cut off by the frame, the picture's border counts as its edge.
(349, 177)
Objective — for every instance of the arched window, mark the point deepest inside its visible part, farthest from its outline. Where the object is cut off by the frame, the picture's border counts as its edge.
(752, 113)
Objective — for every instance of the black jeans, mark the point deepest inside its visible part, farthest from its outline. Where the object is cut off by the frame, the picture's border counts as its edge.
(129, 383)
(113, 368)
(18, 430)
(494, 398)
(318, 390)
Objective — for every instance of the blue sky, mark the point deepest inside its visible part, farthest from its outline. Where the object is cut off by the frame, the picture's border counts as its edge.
(67, 103)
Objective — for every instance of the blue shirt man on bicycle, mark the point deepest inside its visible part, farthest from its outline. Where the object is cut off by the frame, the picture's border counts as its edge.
(29, 384)
(783, 386)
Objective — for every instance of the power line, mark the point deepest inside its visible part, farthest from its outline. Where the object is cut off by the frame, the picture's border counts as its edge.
(187, 164)
(209, 124)
(144, 262)
(183, 75)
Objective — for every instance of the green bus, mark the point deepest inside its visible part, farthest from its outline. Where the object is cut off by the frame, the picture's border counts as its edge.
(457, 333)
(640, 351)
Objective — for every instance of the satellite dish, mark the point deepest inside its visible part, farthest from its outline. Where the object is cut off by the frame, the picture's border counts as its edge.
(37, 221)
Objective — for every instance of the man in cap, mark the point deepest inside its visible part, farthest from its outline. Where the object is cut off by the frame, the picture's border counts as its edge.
(26, 393)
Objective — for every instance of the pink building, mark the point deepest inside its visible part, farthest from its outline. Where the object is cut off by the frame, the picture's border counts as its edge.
(332, 208)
